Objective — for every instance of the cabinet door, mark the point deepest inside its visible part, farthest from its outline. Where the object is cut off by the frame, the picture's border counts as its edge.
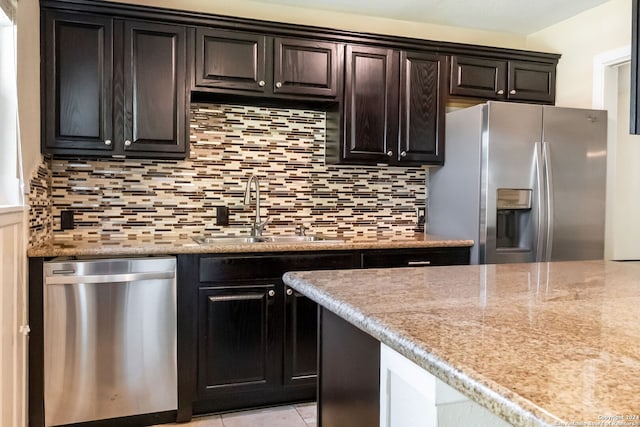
(532, 82)
(306, 67)
(77, 111)
(155, 101)
(478, 77)
(371, 105)
(422, 77)
(300, 340)
(237, 345)
(230, 60)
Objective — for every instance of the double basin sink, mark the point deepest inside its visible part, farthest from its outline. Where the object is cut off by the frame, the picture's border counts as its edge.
(237, 240)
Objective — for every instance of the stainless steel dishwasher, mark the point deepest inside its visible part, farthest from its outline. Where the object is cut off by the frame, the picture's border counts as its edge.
(110, 338)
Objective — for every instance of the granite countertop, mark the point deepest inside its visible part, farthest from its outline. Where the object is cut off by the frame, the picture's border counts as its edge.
(537, 344)
(156, 246)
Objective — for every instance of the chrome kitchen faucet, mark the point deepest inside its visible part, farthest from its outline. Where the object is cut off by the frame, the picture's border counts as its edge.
(258, 226)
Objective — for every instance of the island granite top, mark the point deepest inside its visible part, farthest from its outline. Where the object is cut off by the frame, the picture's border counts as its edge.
(536, 343)
(149, 245)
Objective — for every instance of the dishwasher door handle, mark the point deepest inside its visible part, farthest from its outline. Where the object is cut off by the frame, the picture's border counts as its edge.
(70, 279)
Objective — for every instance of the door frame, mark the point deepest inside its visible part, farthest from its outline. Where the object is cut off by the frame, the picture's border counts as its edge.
(605, 97)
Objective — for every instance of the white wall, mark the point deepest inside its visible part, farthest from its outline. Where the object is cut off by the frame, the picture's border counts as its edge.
(28, 21)
(344, 21)
(579, 39)
(624, 180)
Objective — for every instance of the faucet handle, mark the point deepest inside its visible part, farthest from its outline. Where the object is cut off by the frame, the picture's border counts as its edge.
(261, 226)
(301, 230)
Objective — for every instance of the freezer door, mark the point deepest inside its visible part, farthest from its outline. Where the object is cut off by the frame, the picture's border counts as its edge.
(511, 161)
(575, 168)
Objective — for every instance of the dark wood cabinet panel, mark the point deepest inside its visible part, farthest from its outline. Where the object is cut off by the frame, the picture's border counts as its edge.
(307, 67)
(113, 87)
(78, 88)
(236, 287)
(154, 87)
(371, 100)
(238, 343)
(478, 77)
(230, 60)
(422, 108)
(260, 65)
(251, 267)
(382, 258)
(300, 340)
(349, 381)
(507, 80)
(531, 82)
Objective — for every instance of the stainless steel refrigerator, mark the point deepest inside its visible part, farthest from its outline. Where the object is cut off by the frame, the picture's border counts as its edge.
(525, 182)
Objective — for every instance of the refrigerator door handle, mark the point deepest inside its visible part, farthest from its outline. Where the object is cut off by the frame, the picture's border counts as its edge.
(548, 175)
(537, 156)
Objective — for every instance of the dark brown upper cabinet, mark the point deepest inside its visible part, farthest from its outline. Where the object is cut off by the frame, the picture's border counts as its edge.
(507, 80)
(230, 60)
(370, 105)
(251, 63)
(423, 81)
(393, 108)
(113, 87)
(155, 99)
(78, 83)
(306, 67)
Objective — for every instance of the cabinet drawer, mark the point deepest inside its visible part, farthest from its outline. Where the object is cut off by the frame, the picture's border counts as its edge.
(250, 267)
(415, 258)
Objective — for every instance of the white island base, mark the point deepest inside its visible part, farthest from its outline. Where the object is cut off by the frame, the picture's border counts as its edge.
(411, 397)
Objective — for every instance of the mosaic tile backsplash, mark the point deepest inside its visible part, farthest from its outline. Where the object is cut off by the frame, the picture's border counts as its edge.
(229, 143)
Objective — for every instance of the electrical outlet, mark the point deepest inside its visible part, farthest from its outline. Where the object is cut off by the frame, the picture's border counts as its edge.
(222, 215)
(420, 216)
(66, 220)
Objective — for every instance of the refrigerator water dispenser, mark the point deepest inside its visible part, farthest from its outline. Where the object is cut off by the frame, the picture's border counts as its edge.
(513, 216)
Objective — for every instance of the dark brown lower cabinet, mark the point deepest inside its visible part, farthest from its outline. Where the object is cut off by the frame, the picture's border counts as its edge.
(239, 340)
(300, 341)
(256, 340)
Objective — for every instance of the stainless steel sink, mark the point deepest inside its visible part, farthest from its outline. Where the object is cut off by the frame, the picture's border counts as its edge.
(236, 240)
(297, 239)
(229, 240)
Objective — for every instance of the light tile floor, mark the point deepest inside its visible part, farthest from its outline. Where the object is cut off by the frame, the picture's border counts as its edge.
(301, 415)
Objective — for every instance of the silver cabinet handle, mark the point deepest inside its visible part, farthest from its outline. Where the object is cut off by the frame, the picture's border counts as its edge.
(289, 291)
(512, 91)
(227, 298)
(127, 143)
(389, 153)
(403, 154)
(278, 85)
(261, 83)
(107, 142)
(500, 92)
(70, 271)
(271, 293)
(419, 263)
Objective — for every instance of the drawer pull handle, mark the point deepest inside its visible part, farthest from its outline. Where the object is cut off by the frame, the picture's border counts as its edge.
(415, 263)
(289, 291)
(272, 293)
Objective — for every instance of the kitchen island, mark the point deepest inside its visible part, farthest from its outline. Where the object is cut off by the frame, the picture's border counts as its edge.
(534, 343)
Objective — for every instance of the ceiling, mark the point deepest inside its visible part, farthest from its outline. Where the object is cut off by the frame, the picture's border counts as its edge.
(509, 16)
